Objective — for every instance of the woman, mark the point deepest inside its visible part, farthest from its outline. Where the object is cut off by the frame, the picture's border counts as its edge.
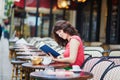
(67, 36)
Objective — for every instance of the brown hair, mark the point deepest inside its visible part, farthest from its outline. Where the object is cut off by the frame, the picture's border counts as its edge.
(67, 28)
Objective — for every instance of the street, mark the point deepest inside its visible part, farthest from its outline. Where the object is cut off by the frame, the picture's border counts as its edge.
(5, 65)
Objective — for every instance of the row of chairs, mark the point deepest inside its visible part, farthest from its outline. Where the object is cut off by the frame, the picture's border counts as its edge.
(99, 51)
(89, 60)
(102, 67)
(105, 46)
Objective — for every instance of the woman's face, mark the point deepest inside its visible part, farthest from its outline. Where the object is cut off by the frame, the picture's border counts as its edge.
(62, 34)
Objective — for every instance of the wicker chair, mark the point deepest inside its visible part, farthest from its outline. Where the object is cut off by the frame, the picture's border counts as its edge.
(112, 74)
(90, 62)
(115, 52)
(115, 59)
(99, 68)
(94, 48)
(93, 53)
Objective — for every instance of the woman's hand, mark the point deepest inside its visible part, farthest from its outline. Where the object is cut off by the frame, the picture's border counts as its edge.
(50, 55)
(60, 57)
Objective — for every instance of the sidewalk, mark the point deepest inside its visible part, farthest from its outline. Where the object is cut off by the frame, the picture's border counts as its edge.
(5, 65)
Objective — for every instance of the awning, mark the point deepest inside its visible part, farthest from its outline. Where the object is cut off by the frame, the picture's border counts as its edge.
(32, 3)
(20, 3)
(43, 4)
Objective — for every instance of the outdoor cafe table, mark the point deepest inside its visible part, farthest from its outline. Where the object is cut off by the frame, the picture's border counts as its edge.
(29, 67)
(41, 75)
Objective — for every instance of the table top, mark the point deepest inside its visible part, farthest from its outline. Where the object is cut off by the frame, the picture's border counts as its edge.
(41, 66)
(65, 76)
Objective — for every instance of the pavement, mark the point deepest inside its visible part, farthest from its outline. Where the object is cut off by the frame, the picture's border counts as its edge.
(5, 65)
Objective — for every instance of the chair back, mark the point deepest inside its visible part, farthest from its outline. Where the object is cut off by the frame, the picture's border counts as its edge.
(99, 68)
(93, 53)
(112, 74)
(115, 59)
(87, 56)
(114, 53)
(90, 62)
(94, 48)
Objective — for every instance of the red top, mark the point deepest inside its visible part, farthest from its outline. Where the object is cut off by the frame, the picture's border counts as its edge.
(80, 55)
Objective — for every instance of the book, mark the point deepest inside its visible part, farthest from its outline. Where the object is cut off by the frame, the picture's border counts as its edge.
(47, 49)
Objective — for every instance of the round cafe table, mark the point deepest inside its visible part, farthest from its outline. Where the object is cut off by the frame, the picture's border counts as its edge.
(41, 75)
(29, 67)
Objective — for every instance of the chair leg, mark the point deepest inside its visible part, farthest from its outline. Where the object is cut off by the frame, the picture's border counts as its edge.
(16, 71)
(13, 71)
(21, 73)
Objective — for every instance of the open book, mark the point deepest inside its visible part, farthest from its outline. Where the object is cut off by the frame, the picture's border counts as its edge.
(47, 49)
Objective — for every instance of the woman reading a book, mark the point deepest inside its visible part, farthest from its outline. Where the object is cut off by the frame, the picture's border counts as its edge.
(67, 36)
